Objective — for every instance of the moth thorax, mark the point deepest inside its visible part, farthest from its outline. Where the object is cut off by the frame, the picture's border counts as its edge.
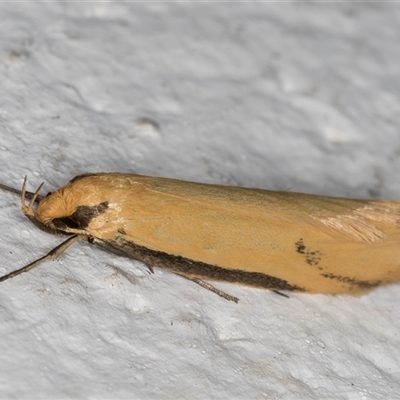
(53, 206)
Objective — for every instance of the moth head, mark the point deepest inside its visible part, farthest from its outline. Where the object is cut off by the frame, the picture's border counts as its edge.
(66, 211)
(52, 213)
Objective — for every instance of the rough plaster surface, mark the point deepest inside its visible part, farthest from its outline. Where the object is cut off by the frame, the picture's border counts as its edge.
(299, 96)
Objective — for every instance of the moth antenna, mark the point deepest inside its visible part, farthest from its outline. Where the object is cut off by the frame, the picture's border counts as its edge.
(51, 255)
(28, 195)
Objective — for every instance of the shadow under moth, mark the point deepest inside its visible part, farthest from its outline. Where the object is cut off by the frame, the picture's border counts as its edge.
(281, 241)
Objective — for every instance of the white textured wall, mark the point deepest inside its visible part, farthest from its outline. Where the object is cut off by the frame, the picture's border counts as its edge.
(282, 96)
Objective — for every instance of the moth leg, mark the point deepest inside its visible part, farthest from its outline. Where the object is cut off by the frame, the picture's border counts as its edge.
(210, 287)
(53, 254)
(281, 294)
(150, 268)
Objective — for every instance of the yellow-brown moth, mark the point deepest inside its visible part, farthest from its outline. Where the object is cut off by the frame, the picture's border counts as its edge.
(274, 240)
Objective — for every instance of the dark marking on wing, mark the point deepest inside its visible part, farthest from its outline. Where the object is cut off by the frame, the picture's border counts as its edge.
(300, 247)
(81, 217)
(121, 231)
(312, 257)
(193, 268)
(352, 281)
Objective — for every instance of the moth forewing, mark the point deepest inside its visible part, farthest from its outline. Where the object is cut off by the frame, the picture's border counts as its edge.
(275, 240)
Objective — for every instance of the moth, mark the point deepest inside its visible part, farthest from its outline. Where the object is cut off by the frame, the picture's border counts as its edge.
(281, 241)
